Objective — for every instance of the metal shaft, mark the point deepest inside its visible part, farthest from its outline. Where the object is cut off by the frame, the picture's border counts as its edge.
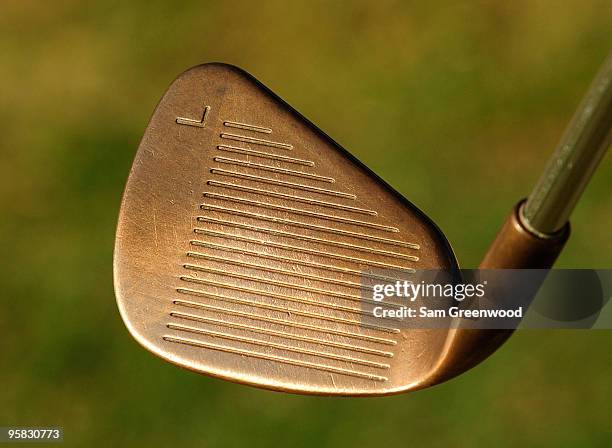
(580, 150)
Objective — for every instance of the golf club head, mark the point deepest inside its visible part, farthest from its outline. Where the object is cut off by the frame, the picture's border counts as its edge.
(242, 238)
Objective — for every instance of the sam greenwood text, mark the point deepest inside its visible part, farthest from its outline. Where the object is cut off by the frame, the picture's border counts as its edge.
(422, 311)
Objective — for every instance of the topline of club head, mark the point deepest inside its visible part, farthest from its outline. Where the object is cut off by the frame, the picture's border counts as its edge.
(242, 236)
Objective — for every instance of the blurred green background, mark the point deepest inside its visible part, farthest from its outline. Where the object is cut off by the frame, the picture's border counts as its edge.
(457, 106)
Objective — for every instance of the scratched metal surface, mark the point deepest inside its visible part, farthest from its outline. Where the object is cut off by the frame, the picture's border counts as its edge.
(242, 239)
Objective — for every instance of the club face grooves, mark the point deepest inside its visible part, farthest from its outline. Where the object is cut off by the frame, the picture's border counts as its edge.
(294, 203)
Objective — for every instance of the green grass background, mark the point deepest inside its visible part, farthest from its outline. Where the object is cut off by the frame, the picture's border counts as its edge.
(455, 104)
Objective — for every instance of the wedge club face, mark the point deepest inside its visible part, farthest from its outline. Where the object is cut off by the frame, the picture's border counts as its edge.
(242, 237)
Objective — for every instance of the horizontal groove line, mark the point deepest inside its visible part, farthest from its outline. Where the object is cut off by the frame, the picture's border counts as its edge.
(281, 183)
(313, 239)
(291, 197)
(280, 334)
(297, 211)
(247, 127)
(260, 292)
(261, 267)
(286, 310)
(312, 264)
(303, 351)
(256, 141)
(282, 284)
(303, 225)
(264, 155)
(274, 320)
(351, 297)
(303, 250)
(290, 361)
(274, 169)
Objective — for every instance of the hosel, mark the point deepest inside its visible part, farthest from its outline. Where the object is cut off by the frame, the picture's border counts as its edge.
(536, 231)
(514, 247)
(518, 247)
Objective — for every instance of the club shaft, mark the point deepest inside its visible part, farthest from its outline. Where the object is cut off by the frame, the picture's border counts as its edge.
(580, 150)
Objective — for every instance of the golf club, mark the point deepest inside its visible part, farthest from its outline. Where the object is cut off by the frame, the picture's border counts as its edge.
(244, 233)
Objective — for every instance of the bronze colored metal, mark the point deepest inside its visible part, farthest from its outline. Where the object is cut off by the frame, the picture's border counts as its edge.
(244, 234)
(514, 247)
(241, 240)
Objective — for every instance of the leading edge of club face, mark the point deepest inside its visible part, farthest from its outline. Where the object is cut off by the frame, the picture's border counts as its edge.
(242, 239)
